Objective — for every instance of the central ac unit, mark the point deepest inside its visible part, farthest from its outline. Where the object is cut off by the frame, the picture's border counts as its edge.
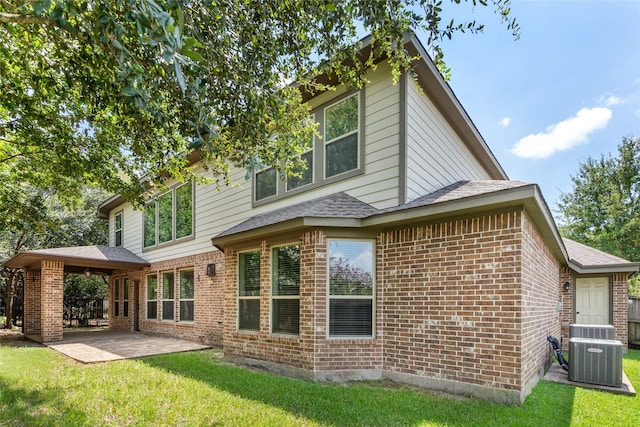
(601, 332)
(595, 361)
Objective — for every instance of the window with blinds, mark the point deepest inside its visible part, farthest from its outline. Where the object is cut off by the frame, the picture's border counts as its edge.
(249, 291)
(285, 290)
(351, 288)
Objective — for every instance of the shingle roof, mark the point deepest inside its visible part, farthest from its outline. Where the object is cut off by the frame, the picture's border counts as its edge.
(342, 205)
(99, 257)
(587, 256)
(338, 205)
(459, 190)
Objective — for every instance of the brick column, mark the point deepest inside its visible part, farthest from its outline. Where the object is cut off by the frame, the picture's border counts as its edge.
(51, 300)
(31, 311)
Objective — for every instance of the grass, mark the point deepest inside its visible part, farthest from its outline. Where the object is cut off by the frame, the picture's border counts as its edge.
(39, 387)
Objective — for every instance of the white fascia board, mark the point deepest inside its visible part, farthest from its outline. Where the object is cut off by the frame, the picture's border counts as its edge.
(630, 268)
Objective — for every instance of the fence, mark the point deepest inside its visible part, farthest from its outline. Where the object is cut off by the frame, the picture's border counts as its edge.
(634, 322)
(85, 312)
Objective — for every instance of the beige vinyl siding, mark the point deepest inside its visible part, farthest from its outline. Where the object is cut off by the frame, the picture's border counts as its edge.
(219, 209)
(435, 155)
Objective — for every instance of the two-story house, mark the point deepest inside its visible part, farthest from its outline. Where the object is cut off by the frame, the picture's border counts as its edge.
(403, 252)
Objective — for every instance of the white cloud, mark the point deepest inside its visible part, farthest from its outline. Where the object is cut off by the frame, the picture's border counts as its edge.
(638, 112)
(505, 122)
(563, 135)
(612, 100)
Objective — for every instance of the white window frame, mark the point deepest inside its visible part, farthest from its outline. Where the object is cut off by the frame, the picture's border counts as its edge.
(273, 297)
(154, 275)
(116, 297)
(359, 297)
(180, 299)
(125, 297)
(172, 299)
(248, 297)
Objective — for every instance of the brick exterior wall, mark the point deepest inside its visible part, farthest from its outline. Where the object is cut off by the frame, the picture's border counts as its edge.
(51, 311)
(567, 299)
(540, 297)
(311, 353)
(453, 301)
(620, 304)
(207, 325)
(465, 302)
(32, 306)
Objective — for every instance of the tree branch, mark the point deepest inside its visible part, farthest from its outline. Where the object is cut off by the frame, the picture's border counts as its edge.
(16, 18)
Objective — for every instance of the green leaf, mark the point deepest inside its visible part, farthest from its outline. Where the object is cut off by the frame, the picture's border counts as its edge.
(179, 75)
(41, 6)
(195, 56)
(129, 91)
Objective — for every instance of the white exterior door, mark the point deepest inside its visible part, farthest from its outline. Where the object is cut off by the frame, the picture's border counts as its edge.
(592, 301)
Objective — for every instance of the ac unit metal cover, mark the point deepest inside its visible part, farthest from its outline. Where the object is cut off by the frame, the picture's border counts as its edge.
(601, 332)
(595, 361)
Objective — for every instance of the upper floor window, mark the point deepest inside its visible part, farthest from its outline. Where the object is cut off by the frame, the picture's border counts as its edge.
(351, 288)
(305, 173)
(117, 229)
(169, 217)
(341, 137)
(266, 183)
(336, 156)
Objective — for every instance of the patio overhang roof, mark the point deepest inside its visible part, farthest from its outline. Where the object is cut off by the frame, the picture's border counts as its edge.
(584, 259)
(80, 259)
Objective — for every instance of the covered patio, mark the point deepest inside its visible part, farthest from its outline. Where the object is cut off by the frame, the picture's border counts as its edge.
(44, 272)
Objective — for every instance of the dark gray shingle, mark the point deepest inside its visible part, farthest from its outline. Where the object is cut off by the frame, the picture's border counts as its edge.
(337, 205)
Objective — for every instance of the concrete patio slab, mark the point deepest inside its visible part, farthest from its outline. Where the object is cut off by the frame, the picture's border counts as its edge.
(558, 375)
(103, 346)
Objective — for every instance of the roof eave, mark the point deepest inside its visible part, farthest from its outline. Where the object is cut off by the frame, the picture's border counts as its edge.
(528, 196)
(30, 261)
(285, 226)
(631, 267)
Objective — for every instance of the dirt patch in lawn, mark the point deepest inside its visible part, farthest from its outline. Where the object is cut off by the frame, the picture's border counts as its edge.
(15, 338)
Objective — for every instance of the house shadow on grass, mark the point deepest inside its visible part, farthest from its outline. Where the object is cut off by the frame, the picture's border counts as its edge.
(372, 403)
(21, 407)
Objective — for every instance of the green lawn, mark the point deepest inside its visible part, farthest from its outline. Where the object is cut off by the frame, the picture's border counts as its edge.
(41, 387)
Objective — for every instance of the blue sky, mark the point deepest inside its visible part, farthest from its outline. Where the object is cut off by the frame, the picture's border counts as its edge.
(567, 90)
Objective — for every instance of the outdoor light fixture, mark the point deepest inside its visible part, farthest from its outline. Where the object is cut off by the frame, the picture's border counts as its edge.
(211, 269)
(87, 272)
(567, 285)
